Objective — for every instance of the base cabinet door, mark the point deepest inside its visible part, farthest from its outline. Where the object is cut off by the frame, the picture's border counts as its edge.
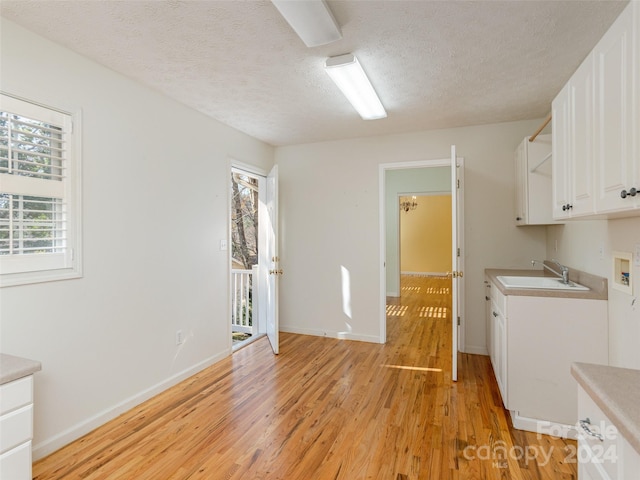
(603, 452)
(588, 471)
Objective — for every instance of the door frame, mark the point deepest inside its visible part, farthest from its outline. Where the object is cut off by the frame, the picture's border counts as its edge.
(382, 170)
(263, 267)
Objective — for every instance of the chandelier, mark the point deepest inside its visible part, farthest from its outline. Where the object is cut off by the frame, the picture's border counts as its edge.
(407, 204)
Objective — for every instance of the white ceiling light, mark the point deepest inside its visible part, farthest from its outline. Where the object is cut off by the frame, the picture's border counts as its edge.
(311, 20)
(346, 72)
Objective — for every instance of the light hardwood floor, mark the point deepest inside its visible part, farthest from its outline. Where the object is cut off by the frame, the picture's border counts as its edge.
(327, 409)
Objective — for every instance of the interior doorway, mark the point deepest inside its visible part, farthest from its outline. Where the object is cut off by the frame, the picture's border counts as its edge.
(253, 257)
(247, 194)
(443, 175)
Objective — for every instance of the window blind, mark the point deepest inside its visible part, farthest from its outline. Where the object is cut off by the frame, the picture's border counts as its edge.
(34, 187)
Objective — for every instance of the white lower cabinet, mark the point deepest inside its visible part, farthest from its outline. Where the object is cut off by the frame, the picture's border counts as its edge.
(603, 453)
(16, 429)
(497, 338)
(534, 341)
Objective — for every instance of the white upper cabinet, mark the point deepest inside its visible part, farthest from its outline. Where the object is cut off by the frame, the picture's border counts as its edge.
(596, 125)
(533, 182)
(617, 164)
(561, 159)
(581, 102)
(572, 112)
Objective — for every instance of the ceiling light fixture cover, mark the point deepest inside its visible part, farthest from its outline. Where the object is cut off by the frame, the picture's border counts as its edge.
(346, 72)
(312, 20)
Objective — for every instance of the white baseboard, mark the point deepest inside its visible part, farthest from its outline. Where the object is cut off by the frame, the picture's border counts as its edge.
(476, 350)
(544, 427)
(330, 334)
(393, 294)
(50, 445)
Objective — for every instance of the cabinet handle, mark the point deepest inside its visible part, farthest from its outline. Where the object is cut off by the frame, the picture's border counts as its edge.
(486, 298)
(632, 193)
(518, 219)
(585, 425)
(495, 314)
(566, 207)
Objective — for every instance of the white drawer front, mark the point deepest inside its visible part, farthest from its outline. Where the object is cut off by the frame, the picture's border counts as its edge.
(16, 464)
(16, 428)
(16, 394)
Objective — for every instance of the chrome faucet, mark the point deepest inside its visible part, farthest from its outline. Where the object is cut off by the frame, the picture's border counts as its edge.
(563, 269)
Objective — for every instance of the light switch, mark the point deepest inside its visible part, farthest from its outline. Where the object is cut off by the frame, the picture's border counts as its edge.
(223, 244)
(636, 257)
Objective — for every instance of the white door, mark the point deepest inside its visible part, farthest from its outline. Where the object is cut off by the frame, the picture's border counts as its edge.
(456, 267)
(274, 270)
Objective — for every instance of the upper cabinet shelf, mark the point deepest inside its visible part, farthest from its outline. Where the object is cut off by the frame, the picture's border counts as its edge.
(596, 128)
(533, 182)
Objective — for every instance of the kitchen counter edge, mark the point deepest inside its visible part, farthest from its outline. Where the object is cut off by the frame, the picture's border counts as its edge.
(12, 367)
(598, 289)
(615, 391)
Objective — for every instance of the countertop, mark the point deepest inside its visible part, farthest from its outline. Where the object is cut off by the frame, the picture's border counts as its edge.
(598, 289)
(13, 368)
(616, 391)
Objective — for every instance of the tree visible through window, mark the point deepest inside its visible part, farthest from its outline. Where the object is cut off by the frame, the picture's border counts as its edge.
(244, 220)
(39, 221)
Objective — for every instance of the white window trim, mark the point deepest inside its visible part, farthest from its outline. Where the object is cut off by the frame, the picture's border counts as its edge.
(73, 196)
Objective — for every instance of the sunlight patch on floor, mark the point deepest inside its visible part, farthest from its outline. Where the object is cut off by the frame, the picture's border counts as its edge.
(433, 312)
(411, 289)
(439, 290)
(397, 310)
(417, 369)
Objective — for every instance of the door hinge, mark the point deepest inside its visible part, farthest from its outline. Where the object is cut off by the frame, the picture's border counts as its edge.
(458, 251)
(458, 321)
(458, 183)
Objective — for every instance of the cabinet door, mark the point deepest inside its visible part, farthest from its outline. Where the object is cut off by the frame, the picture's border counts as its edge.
(501, 357)
(495, 345)
(581, 101)
(488, 318)
(561, 160)
(616, 165)
(521, 184)
(588, 471)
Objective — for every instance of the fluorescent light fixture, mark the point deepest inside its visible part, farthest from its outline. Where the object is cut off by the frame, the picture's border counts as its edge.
(312, 20)
(346, 72)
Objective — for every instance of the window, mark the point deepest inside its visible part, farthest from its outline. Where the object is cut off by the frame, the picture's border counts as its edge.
(39, 200)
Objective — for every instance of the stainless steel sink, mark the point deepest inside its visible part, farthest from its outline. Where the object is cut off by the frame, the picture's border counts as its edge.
(543, 283)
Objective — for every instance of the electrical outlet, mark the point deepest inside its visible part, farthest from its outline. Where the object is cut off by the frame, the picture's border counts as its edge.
(179, 339)
(637, 255)
(223, 244)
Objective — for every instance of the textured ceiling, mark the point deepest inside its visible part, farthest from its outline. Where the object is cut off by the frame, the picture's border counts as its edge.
(434, 64)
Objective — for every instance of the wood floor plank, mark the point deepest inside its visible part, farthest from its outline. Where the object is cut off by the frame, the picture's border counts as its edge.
(327, 409)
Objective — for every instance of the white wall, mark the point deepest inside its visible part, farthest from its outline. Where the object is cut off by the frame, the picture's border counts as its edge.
(329, 219)
(155, 203)
(579, 243)
(409, 180)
